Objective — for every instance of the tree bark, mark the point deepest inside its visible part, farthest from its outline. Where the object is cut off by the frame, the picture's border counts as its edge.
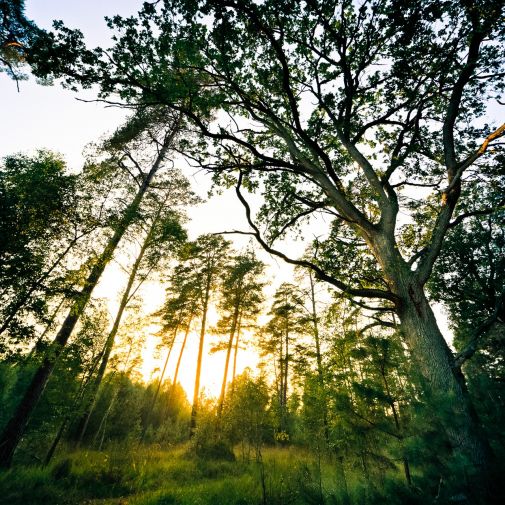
(445, 384)
(196, 393)
(181, 352)
(228, 355)
(15, 428)
(443, 380)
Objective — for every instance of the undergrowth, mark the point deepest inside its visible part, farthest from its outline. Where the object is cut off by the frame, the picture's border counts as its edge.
(148, 476)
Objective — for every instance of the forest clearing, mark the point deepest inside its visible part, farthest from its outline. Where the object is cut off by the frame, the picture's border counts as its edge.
(151, 476)
(252, 252)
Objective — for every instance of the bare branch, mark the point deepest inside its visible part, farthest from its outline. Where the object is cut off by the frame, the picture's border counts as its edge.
(473, 345)
(480, 212)
(320, 273)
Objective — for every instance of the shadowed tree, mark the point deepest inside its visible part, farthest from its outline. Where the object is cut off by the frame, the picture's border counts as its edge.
(38, 200)
(14, 429)
(470, 281)
(50, 220)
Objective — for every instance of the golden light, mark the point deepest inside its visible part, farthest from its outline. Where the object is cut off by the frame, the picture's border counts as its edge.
(212, 364)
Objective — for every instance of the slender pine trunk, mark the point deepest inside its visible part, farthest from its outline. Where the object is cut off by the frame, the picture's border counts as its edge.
(396, 418)
(196, 393)
(157, 392)
(181, 352)
(227, 361)
(235, 354)
(285, 381)
(103, 422)
(282, 365)
(109, 343)
(319, 360)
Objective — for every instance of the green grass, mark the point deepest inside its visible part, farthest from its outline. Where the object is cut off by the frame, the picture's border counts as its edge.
(147, 476)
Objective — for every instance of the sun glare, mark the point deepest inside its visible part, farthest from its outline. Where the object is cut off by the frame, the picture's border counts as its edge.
(212, 365)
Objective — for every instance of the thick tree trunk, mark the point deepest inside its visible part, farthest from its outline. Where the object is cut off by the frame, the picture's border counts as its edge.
(16, 426)
(443, 381)
(445, 386)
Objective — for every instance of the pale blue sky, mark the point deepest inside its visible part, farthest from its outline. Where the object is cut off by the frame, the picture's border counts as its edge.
(50, 117)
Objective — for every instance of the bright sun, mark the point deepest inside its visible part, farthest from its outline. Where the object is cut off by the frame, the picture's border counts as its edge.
(212, 365)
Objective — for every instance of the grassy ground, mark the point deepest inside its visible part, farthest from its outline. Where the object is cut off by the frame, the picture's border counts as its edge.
(147, 476)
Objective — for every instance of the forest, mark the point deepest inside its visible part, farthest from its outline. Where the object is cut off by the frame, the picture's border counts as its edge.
(264, 261)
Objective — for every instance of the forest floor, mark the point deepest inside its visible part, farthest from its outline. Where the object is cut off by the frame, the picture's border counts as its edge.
(149, 476)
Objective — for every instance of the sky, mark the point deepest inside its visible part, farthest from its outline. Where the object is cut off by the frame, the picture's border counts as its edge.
(52, 118)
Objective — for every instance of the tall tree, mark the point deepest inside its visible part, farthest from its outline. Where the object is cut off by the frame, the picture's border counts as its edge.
(14, 429)
(165, 235)
(38, 200)
(240, 299)
(50, 220)
(309, 305)
(207, 256)
(180, 309)
(285, 325)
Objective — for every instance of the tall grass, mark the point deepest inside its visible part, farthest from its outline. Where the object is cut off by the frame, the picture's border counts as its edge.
(149, 476)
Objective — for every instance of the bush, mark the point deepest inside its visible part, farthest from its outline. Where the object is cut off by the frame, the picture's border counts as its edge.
(62, 469)
(214, 450)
